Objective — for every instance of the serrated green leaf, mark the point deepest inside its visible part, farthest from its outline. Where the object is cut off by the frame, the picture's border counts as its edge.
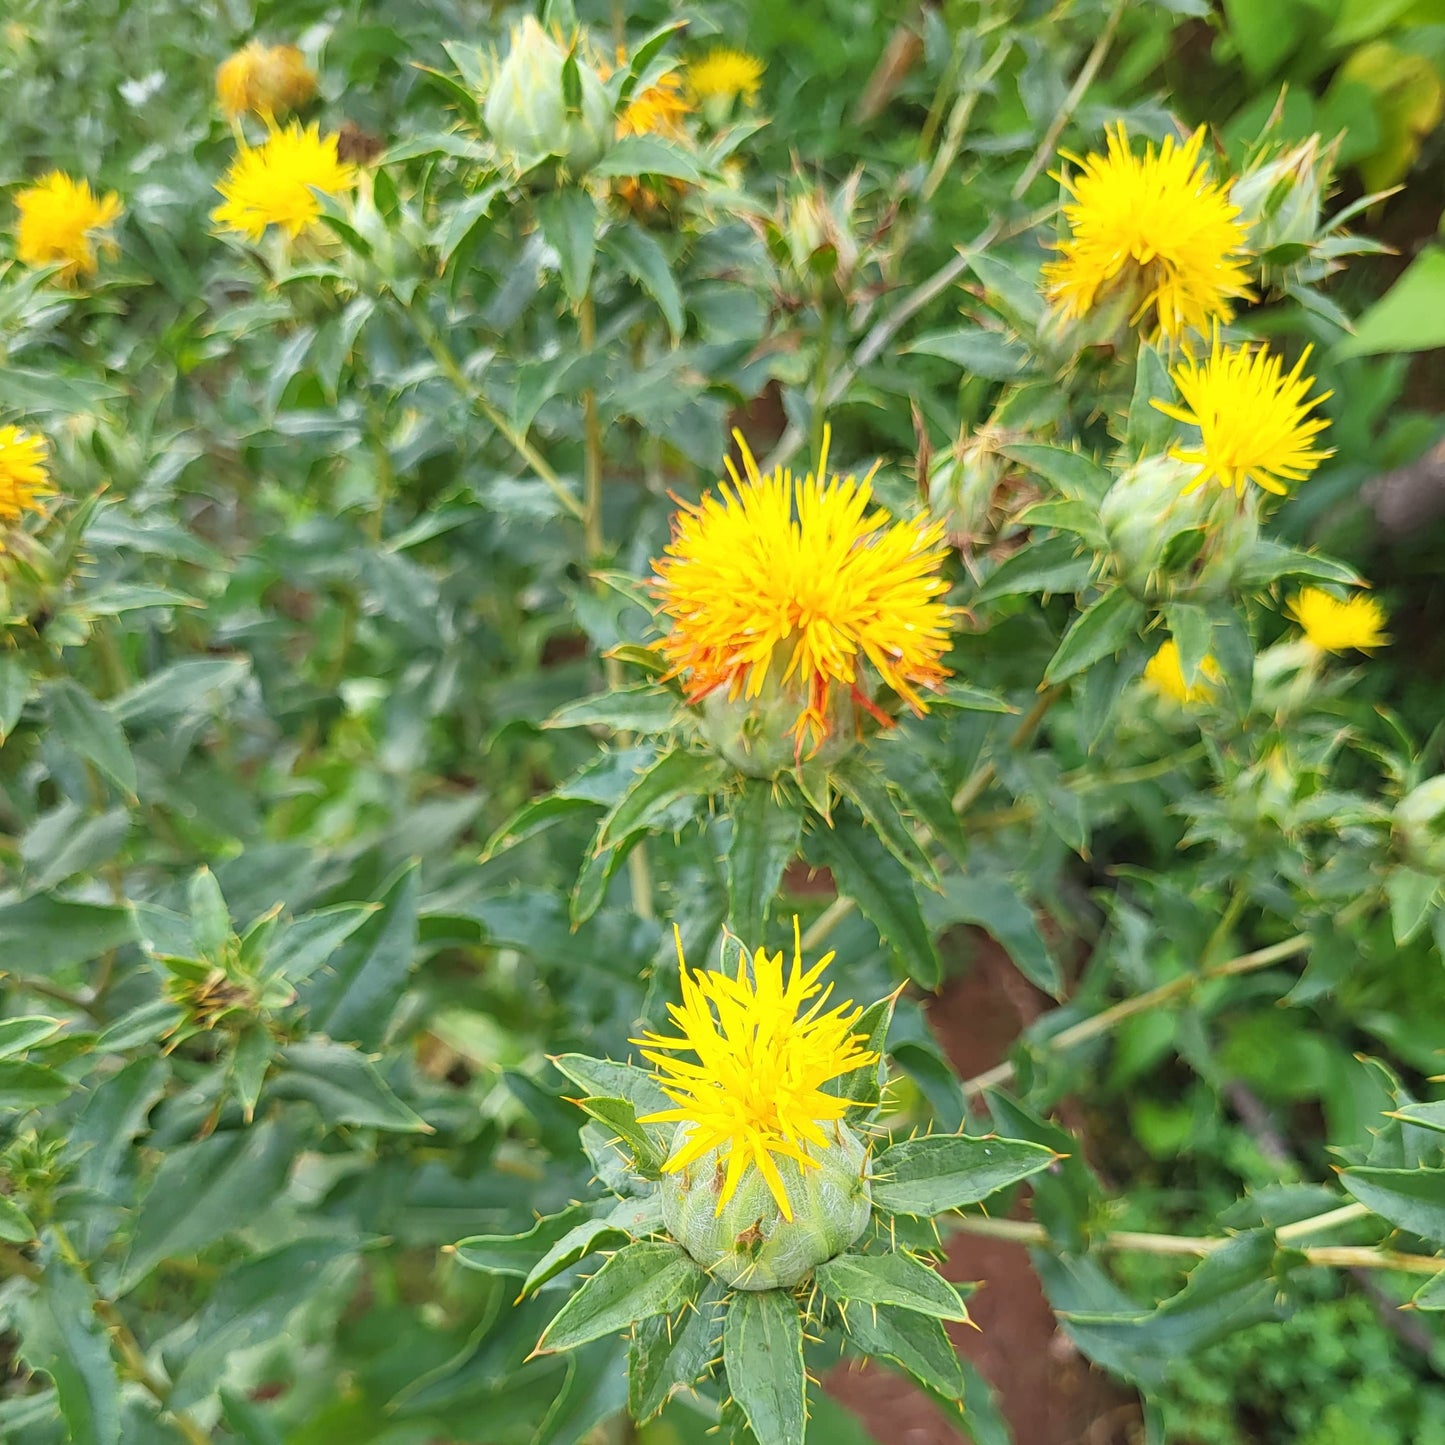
(15, 684)
(674, 776)
(621, 1118)
(939, 1172)
(205, 1190)
(645, 709)
(669, 1353)
(918, 1344)
(344, 1086)
(30, 1086)
(865, 1085)
(989, 354)
(1053, 565)
(568, 217)
(640, 1281)
(1412, 1199)
(24, 1032)
(515, 1255)
(607, 1079)
(61, 1336)
(1074, 474)
(766, 833)
(763, 1356)
(890, 1279)
(15, 1226)
(866, 789)
(881, 887)
(627, 1220)
(646, 262)
(991, 903)
(91, 730)
(1105, 628)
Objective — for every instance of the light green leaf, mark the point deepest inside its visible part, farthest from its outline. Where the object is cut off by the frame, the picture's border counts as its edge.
(23, 1032)
(646, 262)
(15, 680)
(568, 217)
(30, 1086)
(1413, 897)
(988, 354)
(674, 776)
(1074, 474)
(621, 1118)
(1412, 1199)
(1410, 316)
(890, 1279)
(629, 1219)
(15, 1227)
(640, 1281)
(645, 709)
(939, 1172)
(52, 934)
(1103, 630)
(763, 1355)
(92, 730)
(646, 155)
(344, 1086)
(857, 781)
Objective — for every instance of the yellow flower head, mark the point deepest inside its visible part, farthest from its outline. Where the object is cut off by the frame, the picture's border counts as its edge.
(806, 579)
(1334, 625)
(268, 80)
(274, 184)
(725, 74)
(1157, 229)
(23, 478)
(659, 110)
(764, 1046)
(1165, 675)
(61, 222)
(1253, 419)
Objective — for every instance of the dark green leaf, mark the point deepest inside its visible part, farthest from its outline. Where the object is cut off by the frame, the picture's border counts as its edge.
(867, 790)
(1412, 1199)
(763, 1355)
(866, 872)
(939, 1172)
(919, 1344)
(1074, 474)
(766, 831)
(568, 217)
(516, 1254)
(15, 1227)
(668, 1353)
(1104, 629)
(1052, 565)
(344, 1086)
(205, 1190)
(890, 1279)
(91, 729)
(30, 1086)
(865, 1085)
(646, 155)
(15, 679)
(988, 354)
(676, 775)
(620, 1117)
(646, 262)
(627, 1220)
(637, 1282)
(61, 1336)
(991, 903)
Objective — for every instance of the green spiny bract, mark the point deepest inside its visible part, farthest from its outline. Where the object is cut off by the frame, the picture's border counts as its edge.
(749, 1245)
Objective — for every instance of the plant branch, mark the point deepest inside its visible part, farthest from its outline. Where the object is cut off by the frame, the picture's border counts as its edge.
(1103, 1023)
(1025, 1231)
(592, 433)
(446, 359)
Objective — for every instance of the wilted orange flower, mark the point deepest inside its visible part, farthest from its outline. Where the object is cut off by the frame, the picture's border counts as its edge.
(267, 80)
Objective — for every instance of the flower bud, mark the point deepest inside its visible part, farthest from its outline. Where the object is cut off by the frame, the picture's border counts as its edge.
(759, 735)
(527, 112)
(963, 486)
(1169, 541)
(1420, 825)
(1281, 200)
(750, 1245)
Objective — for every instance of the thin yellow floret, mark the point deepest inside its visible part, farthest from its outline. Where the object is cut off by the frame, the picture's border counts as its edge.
(1334, 624)
(1253, 419)
(275, 183)
(764, 1044)
(659, 110)
(1155, 229)
(24, 480)
(803, 581)
(1164, 673)
(725, 74)
(267, 80)
(63, 222)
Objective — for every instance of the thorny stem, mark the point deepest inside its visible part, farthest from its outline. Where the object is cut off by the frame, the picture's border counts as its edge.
(451, 367)
(1103, 1023)
(1025, 1231)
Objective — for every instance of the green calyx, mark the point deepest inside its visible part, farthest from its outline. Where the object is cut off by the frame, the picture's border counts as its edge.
(750, 1245)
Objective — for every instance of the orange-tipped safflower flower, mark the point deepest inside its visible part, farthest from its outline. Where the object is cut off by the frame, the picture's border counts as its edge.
(765, 1044)
(1253, 419)
(1156, 230)
(802, 581)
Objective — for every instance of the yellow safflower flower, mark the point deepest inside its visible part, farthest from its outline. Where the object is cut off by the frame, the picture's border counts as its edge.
(725, 74)
(1164, 674)
(1156, 230)
(1333, 624)
(807, 578)
(1253, 419)
(274, 184)
(24, 480)
(756, 1088)
(63, 222)
(267, 80)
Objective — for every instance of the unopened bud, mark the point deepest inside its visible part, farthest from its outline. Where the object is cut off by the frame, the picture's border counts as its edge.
(1420, 825)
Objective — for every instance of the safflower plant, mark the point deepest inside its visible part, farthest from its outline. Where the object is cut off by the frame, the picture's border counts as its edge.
(525, 583)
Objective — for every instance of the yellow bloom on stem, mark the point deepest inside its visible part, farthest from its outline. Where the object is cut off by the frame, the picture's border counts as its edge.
(268, 80)
(1253, 419)
(1155, 229)
(62, 222)
(1332, 624)
(659, 110)
(1165, 675)
(725, 74)
(806, 578)
(274, 184)
(24, 481)
(765, 1045)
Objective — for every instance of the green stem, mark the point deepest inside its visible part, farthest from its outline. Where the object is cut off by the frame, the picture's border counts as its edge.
(592, 433)
(1025, 1231)
(452, 369)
